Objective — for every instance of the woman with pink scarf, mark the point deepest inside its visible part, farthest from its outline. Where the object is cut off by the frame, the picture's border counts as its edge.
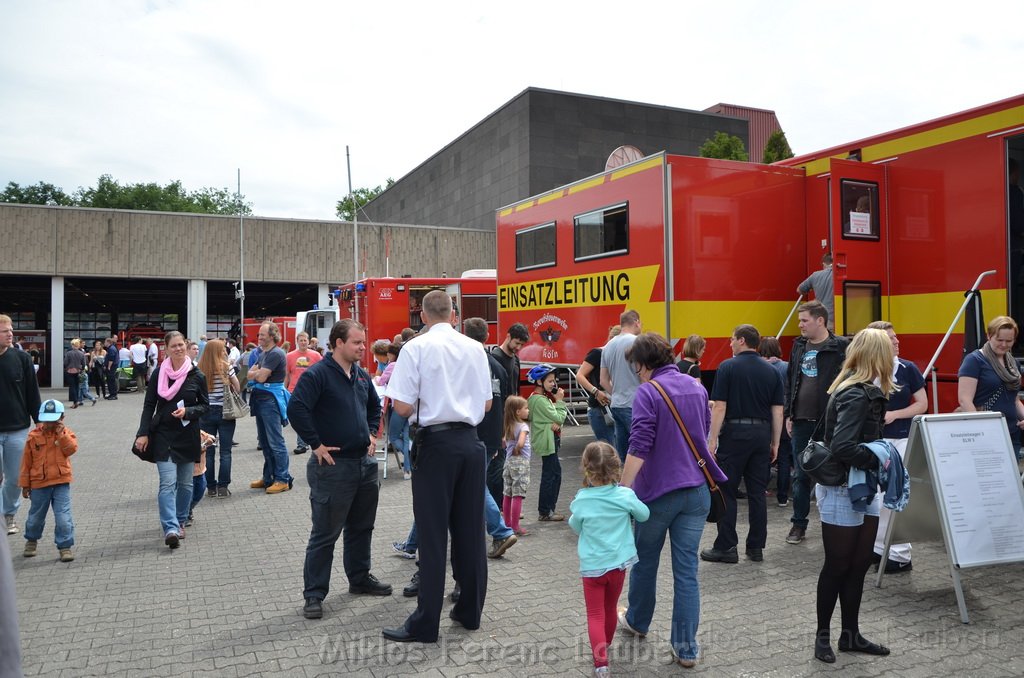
(175, 401)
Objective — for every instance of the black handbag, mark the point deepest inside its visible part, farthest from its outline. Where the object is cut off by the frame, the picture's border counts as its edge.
(717, 509)
(820, 464)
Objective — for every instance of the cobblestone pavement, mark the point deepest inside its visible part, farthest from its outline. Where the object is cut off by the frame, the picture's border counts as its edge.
(228, 602)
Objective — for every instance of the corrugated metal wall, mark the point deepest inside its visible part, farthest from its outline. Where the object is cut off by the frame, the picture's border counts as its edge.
(763, 124)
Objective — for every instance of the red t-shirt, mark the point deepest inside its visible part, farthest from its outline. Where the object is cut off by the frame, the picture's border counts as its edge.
(299, 362)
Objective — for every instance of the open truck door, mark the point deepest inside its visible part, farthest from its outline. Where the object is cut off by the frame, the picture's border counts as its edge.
(859, 233)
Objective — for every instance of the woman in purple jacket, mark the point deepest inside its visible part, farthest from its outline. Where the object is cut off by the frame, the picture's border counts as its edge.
(662, 471)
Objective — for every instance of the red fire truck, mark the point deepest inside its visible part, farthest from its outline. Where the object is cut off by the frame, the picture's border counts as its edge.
(386, 306)
(698, 245)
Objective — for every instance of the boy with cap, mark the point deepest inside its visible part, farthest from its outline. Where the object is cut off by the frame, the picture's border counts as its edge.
(46, 478)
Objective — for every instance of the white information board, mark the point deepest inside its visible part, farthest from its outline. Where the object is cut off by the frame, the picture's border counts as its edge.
(981, 495)
(964, 489)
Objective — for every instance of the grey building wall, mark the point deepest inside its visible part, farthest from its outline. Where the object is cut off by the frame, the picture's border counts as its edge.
(539, 140)
(65, 241)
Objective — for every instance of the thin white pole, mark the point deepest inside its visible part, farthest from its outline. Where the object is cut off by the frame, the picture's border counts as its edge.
(241, 260)
(355, 236)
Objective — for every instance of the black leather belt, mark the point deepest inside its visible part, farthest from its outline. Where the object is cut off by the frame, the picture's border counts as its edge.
(450, 426)
(746, 420)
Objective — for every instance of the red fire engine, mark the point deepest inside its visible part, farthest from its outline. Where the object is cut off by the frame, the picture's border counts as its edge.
(697, 246)
(386, 306)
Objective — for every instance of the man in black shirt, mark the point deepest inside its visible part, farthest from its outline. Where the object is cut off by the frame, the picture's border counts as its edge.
(19, 393)
(746, 423)
(336, 410)
(110, 365)
(507, 355)
(814, 364)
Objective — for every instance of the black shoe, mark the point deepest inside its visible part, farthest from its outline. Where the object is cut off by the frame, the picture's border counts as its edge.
(399, 635)
(876, 558)
(796, 535)
(456, 592)
(412, 589)
(895, 567)
(300, 449)
(823, 652)
(188, 521)
(713, 555)
(451, 615)
(861, 644)
(313, 609)
(757, 555)
(370, 586)
(171, 540)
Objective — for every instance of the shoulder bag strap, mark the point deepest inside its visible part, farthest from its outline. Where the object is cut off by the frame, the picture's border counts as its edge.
(686, 434)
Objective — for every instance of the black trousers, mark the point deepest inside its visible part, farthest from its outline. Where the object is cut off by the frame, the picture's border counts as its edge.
(495, 474)
(744, 451)
(112, 383)
(342, 497)
(446, 497)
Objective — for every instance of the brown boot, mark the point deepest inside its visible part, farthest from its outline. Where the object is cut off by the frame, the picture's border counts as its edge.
(278, 487)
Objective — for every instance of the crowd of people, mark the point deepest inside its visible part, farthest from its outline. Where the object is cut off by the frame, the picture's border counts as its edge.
(662, 446)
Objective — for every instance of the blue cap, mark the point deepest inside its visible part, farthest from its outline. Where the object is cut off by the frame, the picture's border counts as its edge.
(52, 410)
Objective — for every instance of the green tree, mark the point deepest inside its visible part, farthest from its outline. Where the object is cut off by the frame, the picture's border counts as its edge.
(724, 146)
(776, 148)
(110, 194)
(348, 205)
(37, 194)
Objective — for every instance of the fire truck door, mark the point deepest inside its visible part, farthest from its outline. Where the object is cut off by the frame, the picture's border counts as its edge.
(858, 230)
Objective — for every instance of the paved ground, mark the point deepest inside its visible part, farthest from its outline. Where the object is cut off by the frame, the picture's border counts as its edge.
(228, 602)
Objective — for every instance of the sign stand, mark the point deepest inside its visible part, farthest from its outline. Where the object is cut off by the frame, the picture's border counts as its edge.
(965, 490)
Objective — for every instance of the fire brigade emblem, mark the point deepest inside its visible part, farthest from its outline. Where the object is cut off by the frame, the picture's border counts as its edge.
(549, 328)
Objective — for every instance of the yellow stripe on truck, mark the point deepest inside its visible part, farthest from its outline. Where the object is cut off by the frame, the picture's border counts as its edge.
(933, 137)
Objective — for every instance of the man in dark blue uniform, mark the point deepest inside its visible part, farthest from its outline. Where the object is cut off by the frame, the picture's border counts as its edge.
(335, 410)
(746, 423)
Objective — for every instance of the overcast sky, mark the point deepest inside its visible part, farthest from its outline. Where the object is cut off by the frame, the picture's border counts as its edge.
(193, 89)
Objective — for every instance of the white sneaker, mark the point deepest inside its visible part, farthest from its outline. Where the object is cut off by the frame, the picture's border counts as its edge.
(401, 550)
(12, 527)
(406, 475)
(624, 625)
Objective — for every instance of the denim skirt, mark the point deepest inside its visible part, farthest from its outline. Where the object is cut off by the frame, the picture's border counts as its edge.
(836, 509)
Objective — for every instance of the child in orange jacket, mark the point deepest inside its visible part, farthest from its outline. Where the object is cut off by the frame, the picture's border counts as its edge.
(46, 478)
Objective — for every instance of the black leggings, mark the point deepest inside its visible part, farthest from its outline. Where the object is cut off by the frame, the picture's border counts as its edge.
(848, 555)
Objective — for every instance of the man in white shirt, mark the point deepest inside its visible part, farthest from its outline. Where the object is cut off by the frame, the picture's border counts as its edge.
(152, 356)
(139, 358)
(442, 381)
(233, 353)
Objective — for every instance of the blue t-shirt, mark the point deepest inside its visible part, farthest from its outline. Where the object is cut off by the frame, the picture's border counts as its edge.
(975, 365)
(910, 381)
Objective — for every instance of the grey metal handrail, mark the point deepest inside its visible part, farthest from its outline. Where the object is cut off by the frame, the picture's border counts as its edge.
(930, 370)
(778, 335)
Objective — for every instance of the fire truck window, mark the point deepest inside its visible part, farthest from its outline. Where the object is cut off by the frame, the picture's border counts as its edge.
(859, 210)
(862, 304)
(535, 247)
(602, 233)
(480, 307)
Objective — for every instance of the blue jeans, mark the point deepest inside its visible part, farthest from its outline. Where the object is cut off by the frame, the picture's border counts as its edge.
(174, 498)
(398, 435)
(12, 445)
(623, 417)
(214, 423)
(601, 430)
(83, 389)
(271, 436)
(785, 464)
(198, 490)
(58, 496)
(496, 526)
(412, 542)
(802, 432)
(680, 514)
(550, 482)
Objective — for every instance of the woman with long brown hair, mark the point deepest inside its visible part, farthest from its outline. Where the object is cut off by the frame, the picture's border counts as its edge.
(220, 376)
(175, 400)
